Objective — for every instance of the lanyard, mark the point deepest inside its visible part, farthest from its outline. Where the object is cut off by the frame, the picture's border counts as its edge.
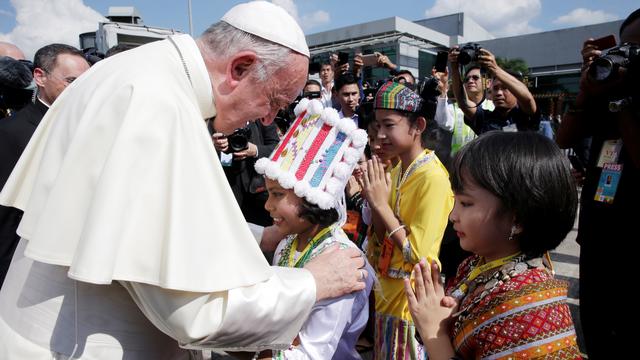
(464, 287)
(306, 253)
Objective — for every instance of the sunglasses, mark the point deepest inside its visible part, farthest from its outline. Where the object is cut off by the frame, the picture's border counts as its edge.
(472, 77)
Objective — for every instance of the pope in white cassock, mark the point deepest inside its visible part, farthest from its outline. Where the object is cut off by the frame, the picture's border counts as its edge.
(132, 242)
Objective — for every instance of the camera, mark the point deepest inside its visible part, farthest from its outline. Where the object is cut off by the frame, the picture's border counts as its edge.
(428, 88)
(312, 95)
(428, 91)
(469, 53)
(607, 65)
(239, 140)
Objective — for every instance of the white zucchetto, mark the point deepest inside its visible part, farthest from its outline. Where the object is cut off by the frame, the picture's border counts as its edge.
(270, 22)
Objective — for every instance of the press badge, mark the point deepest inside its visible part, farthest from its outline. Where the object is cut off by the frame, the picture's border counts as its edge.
(510, 128)
(608, 183)
(226, 159)
(610, 152)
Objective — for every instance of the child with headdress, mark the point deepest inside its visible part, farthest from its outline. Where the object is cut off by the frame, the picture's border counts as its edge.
(305, 178)
(410, 206)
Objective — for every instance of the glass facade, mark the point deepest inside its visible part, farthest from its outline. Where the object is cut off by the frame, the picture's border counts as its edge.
(555, 84)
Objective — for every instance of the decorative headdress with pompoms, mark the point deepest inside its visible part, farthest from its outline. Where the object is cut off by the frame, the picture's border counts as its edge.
(317, 155)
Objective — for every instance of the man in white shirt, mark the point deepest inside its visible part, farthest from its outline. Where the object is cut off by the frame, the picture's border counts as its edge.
(326, 78)
(133, 245)
(348, 95)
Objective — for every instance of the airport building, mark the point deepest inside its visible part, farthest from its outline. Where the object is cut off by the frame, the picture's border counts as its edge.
(553, 57)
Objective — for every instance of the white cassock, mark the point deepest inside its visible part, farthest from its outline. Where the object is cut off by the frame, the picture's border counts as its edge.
(133, 245)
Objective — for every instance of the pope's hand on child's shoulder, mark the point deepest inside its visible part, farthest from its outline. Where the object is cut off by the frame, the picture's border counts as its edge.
(337, 272)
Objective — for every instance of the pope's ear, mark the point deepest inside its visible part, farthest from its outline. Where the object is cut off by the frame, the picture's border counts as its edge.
(240, 67)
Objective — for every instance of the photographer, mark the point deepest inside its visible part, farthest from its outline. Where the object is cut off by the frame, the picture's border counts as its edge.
(242, 149)
(610, 194)
(515, 108)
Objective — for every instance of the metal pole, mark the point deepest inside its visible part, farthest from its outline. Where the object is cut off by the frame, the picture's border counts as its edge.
(190, 20)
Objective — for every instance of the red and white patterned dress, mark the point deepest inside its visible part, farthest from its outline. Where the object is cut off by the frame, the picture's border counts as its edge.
(522, 314)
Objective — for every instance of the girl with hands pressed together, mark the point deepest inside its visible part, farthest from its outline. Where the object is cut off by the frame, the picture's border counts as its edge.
(514, 201)
(409, 207)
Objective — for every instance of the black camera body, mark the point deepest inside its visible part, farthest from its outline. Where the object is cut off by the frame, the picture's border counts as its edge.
(312, 95)
(469, 53)
(428, 91)
(239, 140)
(606, 66)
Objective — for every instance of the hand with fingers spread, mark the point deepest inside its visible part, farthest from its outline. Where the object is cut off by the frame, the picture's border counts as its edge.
(431, 309)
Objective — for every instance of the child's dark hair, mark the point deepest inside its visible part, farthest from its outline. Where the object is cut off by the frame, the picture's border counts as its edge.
(315, 215)
(429, 137)
(532, 179)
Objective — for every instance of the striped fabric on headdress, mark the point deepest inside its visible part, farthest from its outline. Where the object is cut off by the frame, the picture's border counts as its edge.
(317, 155)
(395, 96)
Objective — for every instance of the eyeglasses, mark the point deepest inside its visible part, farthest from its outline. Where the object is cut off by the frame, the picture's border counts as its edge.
(472, 77)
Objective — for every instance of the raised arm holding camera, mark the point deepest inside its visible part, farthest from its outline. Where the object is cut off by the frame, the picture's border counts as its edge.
(515, 107)
(607, 110)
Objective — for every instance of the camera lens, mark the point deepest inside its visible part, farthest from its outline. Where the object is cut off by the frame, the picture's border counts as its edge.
(239, 140)
(466, 56)
(606, 67)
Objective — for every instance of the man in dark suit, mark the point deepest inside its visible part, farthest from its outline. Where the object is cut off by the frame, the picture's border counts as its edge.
(55, 67)
(247, 185)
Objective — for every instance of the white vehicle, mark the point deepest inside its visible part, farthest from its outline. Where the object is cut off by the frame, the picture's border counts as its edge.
(124, 27)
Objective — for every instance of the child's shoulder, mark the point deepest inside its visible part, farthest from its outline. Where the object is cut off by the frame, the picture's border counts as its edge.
(338, 236)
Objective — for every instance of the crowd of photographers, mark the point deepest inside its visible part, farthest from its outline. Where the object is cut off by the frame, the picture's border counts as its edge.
(467, 94)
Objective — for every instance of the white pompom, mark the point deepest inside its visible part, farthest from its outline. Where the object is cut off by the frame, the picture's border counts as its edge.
(261, 165)
(359, 138)
(334, 186)
(302, 106)
(287, 180)
(342, 171)
(301, 188)
(313, 195)
(330, 116)
(325, 201)
(272, 171)
(351, 155)
(315, 107)
(346, 125)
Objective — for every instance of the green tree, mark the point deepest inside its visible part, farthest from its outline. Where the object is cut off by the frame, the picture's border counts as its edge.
(515, 65)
